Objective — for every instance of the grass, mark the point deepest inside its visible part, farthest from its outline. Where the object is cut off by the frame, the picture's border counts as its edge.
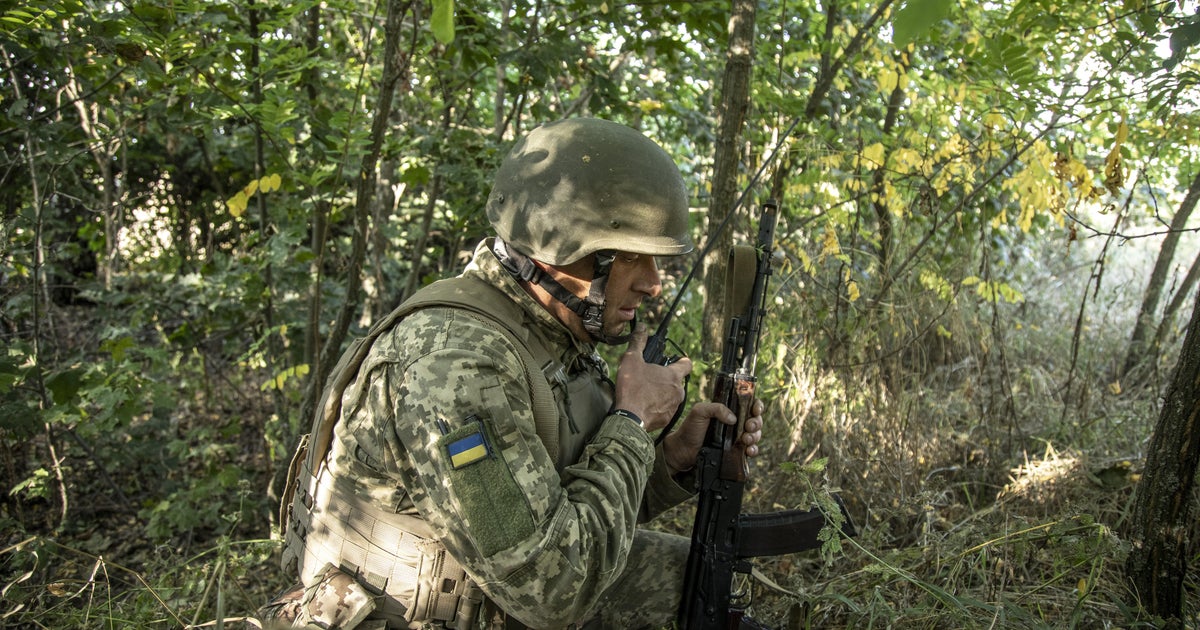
(990, 473)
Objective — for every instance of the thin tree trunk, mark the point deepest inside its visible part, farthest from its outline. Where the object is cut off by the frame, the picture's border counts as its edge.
(102, 151)
(735, 100)
(320, 216)
(1159, 531)
(393, 68)
(365, 194)
(1137, 351)
(1176, 303)
(499, 123)
(274, 347)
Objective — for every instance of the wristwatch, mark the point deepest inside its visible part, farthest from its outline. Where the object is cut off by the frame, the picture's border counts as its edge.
(628, 414)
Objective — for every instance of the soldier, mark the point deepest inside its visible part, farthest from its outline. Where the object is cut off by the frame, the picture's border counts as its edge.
(472, 463)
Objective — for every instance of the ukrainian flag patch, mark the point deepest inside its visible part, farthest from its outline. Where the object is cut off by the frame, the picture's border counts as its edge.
(469, 449)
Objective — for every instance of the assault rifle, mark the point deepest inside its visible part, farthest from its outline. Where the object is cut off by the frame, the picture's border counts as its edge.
(724, 539)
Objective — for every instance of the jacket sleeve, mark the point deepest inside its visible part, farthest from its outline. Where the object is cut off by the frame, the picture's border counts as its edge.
(462, 441)
(665, 489)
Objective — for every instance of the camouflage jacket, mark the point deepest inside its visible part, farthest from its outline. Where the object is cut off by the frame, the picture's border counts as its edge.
(438, 424)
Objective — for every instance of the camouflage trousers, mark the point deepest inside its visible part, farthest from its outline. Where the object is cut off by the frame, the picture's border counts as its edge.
(646, 595)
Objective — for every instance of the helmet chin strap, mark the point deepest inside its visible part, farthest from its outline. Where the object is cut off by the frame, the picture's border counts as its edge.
(589, 309)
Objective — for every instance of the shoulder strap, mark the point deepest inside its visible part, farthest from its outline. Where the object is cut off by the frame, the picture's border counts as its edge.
(489, 305)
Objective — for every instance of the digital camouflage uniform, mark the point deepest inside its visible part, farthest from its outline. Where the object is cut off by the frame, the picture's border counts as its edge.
(437, 429)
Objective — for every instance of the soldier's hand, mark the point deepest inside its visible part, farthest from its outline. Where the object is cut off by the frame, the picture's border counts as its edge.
(681, 446)
(653, 392)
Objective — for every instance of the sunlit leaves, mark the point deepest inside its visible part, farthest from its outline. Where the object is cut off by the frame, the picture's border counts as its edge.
(994, 291)
(277, 382)
(1034, 187)
(238, 203)
(871, 157)
(1114, 167)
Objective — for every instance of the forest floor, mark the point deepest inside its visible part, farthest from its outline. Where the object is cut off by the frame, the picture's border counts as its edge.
(990, 489)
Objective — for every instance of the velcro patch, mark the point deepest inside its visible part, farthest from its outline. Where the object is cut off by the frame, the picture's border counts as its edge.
(469, 449)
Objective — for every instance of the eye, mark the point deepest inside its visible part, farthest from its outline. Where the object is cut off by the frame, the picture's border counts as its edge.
(627, 258)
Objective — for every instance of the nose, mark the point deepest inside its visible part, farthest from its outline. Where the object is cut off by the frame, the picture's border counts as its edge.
(648, 281)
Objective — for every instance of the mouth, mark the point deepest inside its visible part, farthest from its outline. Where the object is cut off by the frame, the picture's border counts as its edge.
(627, 313)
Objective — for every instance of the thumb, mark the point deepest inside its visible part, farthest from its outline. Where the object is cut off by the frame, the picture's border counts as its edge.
(637, 342)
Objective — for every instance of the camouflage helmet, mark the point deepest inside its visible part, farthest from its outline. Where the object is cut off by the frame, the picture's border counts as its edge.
(578, 186)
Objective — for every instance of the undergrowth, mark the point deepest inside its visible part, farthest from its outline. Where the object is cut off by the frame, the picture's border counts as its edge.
(989, 483)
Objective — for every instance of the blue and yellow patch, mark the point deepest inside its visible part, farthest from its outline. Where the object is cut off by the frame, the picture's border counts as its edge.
(467, 450)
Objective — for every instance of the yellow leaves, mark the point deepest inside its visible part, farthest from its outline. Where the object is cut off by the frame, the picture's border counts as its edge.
(906, 160)
(933, 281)
(238, 203)
(649, 105)
(1075, 173)
(273, 182)
(994, 291)
(1028, 211)
(806, 261)
(277, 382)
(871, 157)
(829, 245)
(1034, 187)
(891, 78)
(852, 291)
(1114, 168)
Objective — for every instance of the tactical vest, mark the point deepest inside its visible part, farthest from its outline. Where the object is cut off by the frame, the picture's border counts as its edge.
(396, 556)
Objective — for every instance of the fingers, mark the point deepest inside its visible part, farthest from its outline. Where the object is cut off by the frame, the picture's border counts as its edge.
(637, 343)
(682, 367)
(703, 411)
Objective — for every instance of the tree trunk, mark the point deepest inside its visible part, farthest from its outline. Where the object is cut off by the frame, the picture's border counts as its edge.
(103, 150)
(319, 227)
(735, 99)
(1137, 351)
(1159, 531)
(1176, 303)
(365, 194)
(393, 65)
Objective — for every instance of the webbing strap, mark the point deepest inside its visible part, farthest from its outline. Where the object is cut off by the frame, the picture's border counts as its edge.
(487, 304)
(491, 306)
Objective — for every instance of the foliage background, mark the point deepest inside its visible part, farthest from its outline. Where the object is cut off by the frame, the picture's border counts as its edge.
(201, 200)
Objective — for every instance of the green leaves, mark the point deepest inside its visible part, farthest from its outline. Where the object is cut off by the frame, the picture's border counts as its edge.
(1183, 37)
(442, 21)
(917, 17)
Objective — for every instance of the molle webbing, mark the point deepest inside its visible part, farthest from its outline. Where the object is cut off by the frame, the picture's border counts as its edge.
(385, 552)
(392, 553)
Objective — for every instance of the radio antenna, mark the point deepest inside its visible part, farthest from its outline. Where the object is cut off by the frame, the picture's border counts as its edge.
(655, 351)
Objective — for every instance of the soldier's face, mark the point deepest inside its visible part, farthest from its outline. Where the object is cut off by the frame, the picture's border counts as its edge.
(633, 277)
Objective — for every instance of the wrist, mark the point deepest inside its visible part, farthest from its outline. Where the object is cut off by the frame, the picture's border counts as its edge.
(629, 415)
(672, 455)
